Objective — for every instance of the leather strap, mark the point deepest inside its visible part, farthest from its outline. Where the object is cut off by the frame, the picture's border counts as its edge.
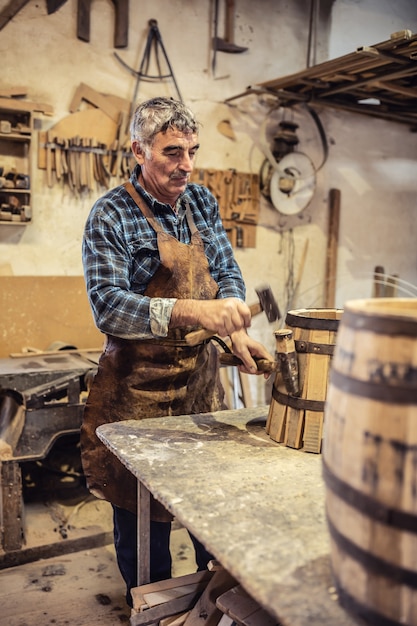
(137, 198)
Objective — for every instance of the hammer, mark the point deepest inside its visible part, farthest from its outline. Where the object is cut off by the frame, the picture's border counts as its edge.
(266, 303)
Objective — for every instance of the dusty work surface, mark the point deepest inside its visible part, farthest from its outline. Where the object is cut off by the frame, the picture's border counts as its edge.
(82, 588)
(256, 505)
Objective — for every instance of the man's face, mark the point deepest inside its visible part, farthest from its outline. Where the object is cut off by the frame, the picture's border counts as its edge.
(167, 168)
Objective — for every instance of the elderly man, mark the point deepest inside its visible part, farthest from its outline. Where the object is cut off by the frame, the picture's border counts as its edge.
(157, 265)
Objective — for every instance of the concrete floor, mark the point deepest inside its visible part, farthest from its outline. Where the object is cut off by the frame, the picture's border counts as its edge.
(79, 589)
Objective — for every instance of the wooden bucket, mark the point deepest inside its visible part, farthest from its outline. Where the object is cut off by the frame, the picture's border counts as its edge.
(296, 419)
(370, 460)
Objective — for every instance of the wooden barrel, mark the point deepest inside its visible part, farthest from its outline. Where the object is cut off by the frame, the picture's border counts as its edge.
(297, 419)
(370, 460)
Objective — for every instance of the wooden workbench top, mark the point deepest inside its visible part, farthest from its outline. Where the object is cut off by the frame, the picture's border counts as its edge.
(256, 505)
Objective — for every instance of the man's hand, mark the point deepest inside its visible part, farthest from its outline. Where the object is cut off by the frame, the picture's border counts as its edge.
(245, 348)
(223, 317)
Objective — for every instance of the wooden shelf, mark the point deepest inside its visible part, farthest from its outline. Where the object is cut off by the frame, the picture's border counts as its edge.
(15, 160)
(379, 81)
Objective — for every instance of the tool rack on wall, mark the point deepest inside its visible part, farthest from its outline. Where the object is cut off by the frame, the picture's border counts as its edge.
(238, 196)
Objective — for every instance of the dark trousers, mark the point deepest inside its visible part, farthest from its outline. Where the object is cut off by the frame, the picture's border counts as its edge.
(125, 543)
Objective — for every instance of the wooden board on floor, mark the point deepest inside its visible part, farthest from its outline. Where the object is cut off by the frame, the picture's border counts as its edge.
(161, 591)
(205, 612)
(243, 609)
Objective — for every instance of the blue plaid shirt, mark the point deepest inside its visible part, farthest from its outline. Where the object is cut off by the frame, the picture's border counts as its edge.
(120, 256)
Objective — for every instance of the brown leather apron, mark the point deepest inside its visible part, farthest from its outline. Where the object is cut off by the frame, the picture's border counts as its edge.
(139, 379)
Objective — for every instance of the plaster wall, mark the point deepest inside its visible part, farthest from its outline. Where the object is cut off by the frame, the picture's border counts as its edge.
(372, 162)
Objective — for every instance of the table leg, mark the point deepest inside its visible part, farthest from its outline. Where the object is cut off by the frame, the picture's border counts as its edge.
(143, 534)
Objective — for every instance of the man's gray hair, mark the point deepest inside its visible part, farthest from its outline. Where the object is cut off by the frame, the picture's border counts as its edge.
(157, 115)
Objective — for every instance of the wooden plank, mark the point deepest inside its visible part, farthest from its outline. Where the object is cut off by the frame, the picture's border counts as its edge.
(313, 431)
(92, 123)
(243, 609)
(11, 506)
(159, 597)
(25, 105)
(144, 521)
(332, 248)
(391, 286)
(276, 420)
(87, 93)
(301, 334)
(205, 612)
(155, 614)
(167, 585)
(225, 620)
(174, 620)
(92, 540)
(294, 428)
(385, 71)
(10, 92)
(360, 60)
(378, 288)
(317, 371)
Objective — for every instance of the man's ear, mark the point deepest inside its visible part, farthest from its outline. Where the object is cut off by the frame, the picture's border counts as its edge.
(138, 152)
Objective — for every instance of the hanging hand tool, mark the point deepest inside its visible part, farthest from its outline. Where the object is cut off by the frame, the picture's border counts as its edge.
(227, 44)
(267, 303)
(53, 5)
(9, 11)
(154, 40)
(58, 159)
(121, 27)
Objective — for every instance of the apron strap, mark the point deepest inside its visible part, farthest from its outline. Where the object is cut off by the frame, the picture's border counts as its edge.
(190, 220)
(137, 198)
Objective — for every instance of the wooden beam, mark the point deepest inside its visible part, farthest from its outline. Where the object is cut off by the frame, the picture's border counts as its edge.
(10, 11)
(332, 245)
(25, 105)
(13, 92)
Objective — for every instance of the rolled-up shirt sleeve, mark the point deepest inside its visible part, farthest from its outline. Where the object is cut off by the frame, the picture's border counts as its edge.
(160, 310)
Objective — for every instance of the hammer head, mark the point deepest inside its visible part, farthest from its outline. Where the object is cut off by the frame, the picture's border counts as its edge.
(268, 303)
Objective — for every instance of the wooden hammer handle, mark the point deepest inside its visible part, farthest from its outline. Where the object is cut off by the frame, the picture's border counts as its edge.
(263, 365)
(198, 336)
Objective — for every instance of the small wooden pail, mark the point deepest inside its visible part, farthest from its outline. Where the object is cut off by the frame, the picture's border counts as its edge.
(370, 460)
(296, 418)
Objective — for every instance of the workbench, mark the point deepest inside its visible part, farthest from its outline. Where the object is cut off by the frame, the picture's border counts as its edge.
(50, 387)
(257, 506)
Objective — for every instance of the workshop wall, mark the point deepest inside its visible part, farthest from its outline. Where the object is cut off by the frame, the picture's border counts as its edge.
(372, 162)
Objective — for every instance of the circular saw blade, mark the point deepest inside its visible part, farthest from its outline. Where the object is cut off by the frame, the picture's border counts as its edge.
(293, 183)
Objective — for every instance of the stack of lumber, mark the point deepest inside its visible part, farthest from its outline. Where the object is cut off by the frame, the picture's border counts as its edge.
(206, 598)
